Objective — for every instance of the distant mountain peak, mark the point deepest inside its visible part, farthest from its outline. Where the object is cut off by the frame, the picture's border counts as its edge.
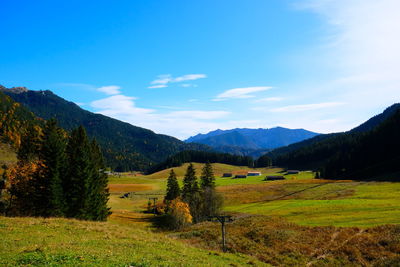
(245, 139)
(14, 90)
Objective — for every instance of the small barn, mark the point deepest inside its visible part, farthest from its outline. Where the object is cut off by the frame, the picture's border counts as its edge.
(227, 174)
(254, 174)
(274, 178)
(292, 172)
(240, 176)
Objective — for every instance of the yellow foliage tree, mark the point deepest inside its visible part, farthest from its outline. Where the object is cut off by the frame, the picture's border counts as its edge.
(179, 213)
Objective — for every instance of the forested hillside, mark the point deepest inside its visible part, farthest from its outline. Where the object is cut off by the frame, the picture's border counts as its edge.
(324, 140)
(367, 151)
(125, 147)
(14, 120)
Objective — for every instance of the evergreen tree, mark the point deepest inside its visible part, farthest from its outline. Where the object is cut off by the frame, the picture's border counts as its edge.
(49, 200)
(173, 190)
(211, 200)
(207, 179)
(191, 193)
(80, 173)
(190, 185)
(98, 186)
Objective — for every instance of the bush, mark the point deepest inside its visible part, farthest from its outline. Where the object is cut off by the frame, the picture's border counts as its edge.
(178, 215)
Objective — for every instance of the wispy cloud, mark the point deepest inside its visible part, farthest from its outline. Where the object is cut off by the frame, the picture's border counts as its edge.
(268, 99)
(181, 124)
(307, 107)
(239, 93)
(119, 104)
(110, 89)
(163, 80)
(157, 86)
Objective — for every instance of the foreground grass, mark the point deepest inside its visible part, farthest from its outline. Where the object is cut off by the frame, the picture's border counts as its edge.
(55, 242)
(281, 243)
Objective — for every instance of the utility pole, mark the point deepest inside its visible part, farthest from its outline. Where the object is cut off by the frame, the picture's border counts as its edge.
(222, 219)
(154, 204)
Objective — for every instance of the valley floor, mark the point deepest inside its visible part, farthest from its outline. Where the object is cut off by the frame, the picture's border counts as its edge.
(300, 221)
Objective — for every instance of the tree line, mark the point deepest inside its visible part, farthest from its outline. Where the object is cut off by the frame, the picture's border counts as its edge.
(57, 175)
(210, 157)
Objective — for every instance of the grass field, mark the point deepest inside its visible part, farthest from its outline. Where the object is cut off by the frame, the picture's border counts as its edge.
(55, 242)
(294, 222)
(299, 198)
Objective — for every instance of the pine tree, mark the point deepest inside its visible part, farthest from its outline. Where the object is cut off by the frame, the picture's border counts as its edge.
(80, 172)
(190, 185)
(211, 200)
(173, 190)
(49, 197)
(98, 187)
(191, 193)
(207, 179)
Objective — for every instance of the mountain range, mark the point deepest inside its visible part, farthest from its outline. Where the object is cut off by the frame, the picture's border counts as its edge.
(251, 141)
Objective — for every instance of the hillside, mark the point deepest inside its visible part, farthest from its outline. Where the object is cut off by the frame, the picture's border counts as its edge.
(253, 140)
(364, 127)
(125, 147)
(66, 242)
(372, 146)
(14, 120)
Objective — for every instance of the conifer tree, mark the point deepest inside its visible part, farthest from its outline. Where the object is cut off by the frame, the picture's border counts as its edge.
(211, 200)
(173, 190)
(98, 186)
(207, 179)
(80, 171)
(190, 185)
(191, 193)
(49, 197)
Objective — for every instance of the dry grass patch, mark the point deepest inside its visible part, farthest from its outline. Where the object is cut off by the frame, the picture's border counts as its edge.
(278, 242)
(122, 188)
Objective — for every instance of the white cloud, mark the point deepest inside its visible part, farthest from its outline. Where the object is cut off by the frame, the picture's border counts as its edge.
(240, 93)
(157, 86)
(307, 107)
(181, 124)
(361, 50)
(190, 77)
(165, 79)
(268, 99)
(118, 105)
(110, 90)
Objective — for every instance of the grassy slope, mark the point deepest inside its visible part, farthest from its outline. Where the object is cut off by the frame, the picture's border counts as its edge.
(54, 242)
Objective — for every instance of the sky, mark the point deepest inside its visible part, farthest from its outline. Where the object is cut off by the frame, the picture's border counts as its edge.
(182, 67)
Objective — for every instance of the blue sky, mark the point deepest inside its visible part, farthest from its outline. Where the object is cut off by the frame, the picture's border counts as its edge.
(184, 67)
